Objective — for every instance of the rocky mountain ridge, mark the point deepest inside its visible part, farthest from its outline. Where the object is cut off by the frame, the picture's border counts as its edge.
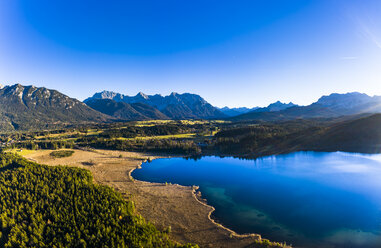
(174, 106)
(29, 107)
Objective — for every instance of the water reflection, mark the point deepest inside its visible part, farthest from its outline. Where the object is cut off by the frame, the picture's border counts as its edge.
(309, 199)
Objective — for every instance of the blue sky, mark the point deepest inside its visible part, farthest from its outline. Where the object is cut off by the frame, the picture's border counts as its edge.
(234, 53)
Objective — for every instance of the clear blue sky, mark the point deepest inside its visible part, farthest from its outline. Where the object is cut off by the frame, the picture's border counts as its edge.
(234, 53)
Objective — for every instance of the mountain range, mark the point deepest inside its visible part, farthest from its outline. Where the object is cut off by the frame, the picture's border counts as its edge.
(333, 105)
(236, 111)
(276, 106)
(30, 107)
(173, 106)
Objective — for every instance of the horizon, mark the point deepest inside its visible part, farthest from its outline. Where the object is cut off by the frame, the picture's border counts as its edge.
(256, 53)
(249, 107)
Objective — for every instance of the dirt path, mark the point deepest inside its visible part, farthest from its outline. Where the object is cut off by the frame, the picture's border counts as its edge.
(163, 205)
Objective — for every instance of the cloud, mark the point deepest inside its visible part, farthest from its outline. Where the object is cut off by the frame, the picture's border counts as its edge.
(371, 35)
(366, 20)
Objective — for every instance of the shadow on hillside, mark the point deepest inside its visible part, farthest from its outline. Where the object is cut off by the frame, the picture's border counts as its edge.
(10, 167)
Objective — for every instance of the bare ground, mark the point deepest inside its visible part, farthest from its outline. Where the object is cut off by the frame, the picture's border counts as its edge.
(164, 205)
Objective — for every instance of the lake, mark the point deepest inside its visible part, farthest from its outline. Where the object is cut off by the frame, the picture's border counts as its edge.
(308, 199)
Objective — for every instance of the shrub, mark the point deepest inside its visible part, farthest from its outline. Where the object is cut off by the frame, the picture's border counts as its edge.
(62, 153)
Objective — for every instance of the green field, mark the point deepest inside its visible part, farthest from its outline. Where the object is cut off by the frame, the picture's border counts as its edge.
(171, 136)
(21, 152)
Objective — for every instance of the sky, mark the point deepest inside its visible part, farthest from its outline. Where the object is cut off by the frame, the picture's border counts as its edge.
(232, 53)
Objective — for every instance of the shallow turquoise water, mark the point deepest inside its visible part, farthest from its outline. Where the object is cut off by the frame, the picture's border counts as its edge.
(309, 199)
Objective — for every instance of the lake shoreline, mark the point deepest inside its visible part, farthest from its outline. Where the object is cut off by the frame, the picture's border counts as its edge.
(166, 206)
(196, 194)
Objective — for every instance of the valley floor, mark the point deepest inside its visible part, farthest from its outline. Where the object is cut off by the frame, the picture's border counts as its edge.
(164, 205)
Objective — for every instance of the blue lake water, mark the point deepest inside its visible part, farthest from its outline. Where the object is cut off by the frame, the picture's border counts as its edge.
(308, 199)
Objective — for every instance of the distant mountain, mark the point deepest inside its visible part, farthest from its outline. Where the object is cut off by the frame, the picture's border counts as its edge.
(351, 103)
(300, 112)
(334, 105)
(276, 106)
(30, 107)
(126, 111)
(174, 106)
(236, 111)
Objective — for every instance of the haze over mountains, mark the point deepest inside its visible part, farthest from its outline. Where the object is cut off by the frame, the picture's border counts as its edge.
(236, 111)
(333, 105)
(30, 107)
(276, 106)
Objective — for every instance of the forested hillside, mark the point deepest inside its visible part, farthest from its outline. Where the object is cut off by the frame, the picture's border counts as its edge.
(126, 111)
(359, 135)
(44, 206)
